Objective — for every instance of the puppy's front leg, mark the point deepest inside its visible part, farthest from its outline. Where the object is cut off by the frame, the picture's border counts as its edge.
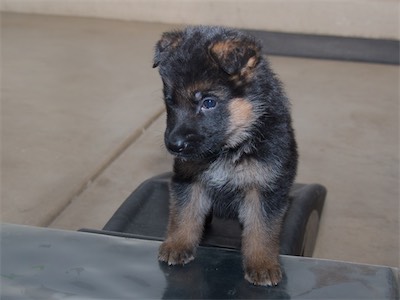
(260, 242)
(188, 209)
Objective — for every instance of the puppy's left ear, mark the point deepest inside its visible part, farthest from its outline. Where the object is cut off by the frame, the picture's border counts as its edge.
(236, 56)
(168, 42)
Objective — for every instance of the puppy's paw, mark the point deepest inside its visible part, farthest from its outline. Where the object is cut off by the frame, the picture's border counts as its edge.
(263, 274)
(175, 254)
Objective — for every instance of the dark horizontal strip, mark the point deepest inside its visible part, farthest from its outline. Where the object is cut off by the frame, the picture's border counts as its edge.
(329, 47)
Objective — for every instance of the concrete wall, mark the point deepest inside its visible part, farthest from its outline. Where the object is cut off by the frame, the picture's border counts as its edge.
(360, 18)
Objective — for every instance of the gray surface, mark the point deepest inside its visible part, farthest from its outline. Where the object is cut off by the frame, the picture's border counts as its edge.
(52, 264)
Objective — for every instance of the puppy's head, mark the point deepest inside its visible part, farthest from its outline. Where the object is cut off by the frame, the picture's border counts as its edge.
(207, 73)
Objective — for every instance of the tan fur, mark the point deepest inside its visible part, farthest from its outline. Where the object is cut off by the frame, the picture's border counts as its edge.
(190, 227)
(260, 243)
(198, 86)
(241, 118)
(185, 228)
(246, 73)
(241, 113)
(223, 48)
(251, 63)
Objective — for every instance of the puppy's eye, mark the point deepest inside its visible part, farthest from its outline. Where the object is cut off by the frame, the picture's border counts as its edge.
(209, 103)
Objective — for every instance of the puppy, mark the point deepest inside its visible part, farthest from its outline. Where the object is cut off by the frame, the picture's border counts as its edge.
(229, 128)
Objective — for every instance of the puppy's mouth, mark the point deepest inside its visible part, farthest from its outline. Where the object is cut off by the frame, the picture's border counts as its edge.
(187, 154)
(183, 153)
(191, 152)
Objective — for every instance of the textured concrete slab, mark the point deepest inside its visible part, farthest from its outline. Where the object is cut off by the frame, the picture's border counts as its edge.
(347, 122)
(71, 97)
(145, 158)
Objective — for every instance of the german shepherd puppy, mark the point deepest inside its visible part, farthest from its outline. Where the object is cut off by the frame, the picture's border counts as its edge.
(229, 128)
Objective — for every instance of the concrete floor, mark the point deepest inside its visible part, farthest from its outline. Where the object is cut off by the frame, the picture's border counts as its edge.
(82, 125)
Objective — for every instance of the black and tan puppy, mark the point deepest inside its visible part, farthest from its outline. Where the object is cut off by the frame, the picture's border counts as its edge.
(229, 128)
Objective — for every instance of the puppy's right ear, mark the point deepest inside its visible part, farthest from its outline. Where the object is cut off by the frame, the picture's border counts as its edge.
(168, 42)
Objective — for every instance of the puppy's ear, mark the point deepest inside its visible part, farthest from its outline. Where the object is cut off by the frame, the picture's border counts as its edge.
(236, 56)
(168, 42)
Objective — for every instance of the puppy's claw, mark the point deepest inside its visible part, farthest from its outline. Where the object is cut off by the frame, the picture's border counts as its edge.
(266, 277)
(174, 255)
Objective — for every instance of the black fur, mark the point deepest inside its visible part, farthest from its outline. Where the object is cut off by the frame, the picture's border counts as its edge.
(229, 127)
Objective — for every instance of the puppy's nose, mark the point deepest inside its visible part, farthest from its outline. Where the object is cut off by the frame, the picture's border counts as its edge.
(177, 145)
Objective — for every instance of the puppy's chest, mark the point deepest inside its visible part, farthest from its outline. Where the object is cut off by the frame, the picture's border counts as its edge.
(226, 174)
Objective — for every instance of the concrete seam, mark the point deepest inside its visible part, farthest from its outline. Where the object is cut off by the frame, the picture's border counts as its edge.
(104, 165)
